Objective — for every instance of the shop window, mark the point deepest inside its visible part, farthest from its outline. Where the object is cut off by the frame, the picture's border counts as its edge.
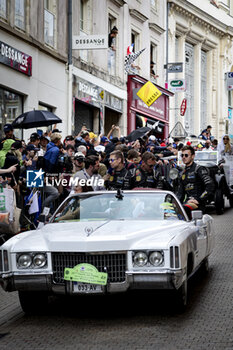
(10, 109)
(20, 14)
(3, 9)
(49, 22)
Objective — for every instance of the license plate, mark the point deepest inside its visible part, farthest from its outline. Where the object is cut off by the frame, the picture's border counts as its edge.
(86, 288)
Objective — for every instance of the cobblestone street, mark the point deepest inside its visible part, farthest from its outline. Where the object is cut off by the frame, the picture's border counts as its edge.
(138, 321)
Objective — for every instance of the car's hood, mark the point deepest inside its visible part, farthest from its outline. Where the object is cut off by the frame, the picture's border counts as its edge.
(99, 236)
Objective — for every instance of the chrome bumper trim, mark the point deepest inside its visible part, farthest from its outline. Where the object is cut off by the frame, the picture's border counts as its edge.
(166, 279)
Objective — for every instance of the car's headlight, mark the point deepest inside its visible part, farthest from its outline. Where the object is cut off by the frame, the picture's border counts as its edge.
(31, 260)
(24, 261)
(140, 259)
(156, 258)
(39, 260)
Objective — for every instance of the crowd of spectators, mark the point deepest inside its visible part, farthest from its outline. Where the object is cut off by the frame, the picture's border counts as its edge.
(110, 162)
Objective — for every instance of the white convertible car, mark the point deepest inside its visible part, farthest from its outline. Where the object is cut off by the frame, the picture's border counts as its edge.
(108, 242)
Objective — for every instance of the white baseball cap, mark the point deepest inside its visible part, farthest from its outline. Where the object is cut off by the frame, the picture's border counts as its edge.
(152, 138)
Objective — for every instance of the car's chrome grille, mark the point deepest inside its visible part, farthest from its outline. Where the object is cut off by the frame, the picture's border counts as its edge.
(114, 264)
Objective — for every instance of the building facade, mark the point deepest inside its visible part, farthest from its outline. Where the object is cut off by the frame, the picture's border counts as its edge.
(100, 85)
(33, 59)
(201, 37)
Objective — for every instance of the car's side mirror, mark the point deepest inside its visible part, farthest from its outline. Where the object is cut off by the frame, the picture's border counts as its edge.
(197, 215)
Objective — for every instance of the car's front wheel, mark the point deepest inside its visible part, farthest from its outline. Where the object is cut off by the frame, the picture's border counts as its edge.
(33, 302)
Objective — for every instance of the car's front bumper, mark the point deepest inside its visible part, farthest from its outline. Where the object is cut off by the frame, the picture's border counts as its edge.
(167, 279)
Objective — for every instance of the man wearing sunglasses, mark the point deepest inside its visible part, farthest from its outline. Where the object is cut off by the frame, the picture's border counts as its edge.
(117, 173)
(195, 185)
(146, 175)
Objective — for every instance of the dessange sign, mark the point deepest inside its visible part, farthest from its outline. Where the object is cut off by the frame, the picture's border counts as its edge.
(15, 59)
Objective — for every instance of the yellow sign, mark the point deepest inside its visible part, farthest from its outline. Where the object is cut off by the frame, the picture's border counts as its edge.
(149, 93)
(102, 94)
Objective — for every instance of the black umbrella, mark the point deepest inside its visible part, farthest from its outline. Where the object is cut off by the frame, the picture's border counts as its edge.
(136, 134)
(34, 119)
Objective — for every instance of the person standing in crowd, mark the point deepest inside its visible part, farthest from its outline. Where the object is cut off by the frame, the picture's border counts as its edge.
(65, 159)
(175, 142)
(90, 171)
(146, 175)
(13, 157)
(82, 149)
(195, 184)
(84, 140)
(136, 145)
(51, 167)
(9, 134)
(34, 140)
(103, 143)
(214, 144)
(69, 140)
(225, 147)
(133, 159)
(78, 162)
(52, 153)
(6, 146)
(44, 140)
(207, 146)
(30, 158)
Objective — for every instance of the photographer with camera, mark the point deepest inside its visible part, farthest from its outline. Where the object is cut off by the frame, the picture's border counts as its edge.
(78, 162)
(65, 159)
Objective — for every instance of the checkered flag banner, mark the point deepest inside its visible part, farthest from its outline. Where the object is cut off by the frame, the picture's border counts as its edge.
(129, 59)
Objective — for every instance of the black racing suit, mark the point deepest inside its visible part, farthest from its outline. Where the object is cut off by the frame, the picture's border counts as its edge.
(117, 179)
(141, 178)
(196, 183)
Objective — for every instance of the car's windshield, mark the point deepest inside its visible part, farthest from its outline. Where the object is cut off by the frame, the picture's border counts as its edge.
(133, 206)
(206, 156)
